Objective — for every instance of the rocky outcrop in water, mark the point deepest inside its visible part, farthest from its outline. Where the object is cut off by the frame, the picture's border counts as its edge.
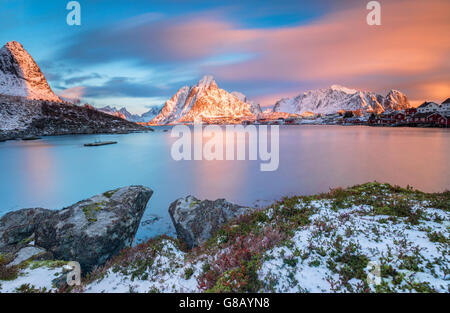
(28, 106)
(89, 232)
(20, 117)
(195, 221)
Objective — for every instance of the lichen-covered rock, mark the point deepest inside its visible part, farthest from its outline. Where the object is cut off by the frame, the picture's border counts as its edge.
(93, 230)
(195, 221)
(17, 226)
(27, 253)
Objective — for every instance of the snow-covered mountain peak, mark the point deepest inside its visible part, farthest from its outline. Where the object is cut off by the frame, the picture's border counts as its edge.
(239, 95)
(338, 98)
(343, 89)
(207, 82)
(21, 76)
(205, 100)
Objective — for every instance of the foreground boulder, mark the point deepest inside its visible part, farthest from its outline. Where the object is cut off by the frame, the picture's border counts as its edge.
(195, 221)
(93, 230)
(18, 227)
(89, 232)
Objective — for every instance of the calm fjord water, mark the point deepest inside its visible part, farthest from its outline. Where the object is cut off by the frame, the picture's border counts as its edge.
(55, 172)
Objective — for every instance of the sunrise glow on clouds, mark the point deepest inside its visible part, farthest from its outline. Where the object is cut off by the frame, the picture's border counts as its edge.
(143, 57)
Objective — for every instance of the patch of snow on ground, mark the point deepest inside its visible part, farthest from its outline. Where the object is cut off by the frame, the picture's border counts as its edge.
(38, 278)
(312, 245)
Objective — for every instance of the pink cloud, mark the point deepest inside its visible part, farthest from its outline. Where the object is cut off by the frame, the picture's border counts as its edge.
(74, 93)
(411, 43)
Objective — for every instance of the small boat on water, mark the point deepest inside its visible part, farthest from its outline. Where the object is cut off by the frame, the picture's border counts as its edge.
(100, 143)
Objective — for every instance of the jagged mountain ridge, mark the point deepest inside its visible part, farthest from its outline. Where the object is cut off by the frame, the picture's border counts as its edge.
(207, 101)
(21, 76)
(126, 115)
(151, 113)
(338, 98)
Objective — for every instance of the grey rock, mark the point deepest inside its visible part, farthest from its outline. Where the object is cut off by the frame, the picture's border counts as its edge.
(196, 221)
(26, 254)
(93, 230)
(17, 226)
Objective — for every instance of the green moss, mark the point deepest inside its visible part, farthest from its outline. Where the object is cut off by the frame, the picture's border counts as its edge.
(110, 193)
(239, 279)
(27, 288)
(7, 272)
(45, 263)
(188, 273)
(90, 210)
(438, 237)
(206, 267)
(411, 263)
(26, 241)
(291, 262)
(193, 203)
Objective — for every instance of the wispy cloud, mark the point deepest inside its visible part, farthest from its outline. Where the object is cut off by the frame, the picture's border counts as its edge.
(409, 51)
(74, 93)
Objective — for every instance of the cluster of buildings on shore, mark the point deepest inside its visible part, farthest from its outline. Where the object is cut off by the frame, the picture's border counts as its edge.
(428, 114)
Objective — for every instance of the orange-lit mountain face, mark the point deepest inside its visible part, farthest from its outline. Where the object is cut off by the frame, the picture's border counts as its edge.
(21, 76)
(337, 98)
(208, 102)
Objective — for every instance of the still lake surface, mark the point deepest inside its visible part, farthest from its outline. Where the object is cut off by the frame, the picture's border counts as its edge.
(55, 172)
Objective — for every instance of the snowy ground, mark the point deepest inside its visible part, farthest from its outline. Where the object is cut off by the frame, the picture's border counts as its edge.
(368, 238)
(32, 279)
(305, 264)
(166, 274)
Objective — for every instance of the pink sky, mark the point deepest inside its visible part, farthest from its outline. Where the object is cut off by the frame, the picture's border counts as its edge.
(410, 51)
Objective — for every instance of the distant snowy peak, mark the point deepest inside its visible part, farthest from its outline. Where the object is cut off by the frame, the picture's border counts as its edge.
(396, 100)
(122, 113)
(207, 101)
(126, 115)
(338, 98)
(21, 76)
(151, 113)
(255, 108)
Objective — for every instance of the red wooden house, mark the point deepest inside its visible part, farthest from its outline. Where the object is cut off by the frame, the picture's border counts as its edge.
(400, 117)
(441, 119)
(410, 111)
(444, 120)
(420, 118)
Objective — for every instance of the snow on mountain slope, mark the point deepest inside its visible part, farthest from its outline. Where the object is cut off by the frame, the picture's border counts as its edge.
(395, 100)
(151, 113)
(207, 101)
(21, 76)
(255, 107)
(122, 113)
(337, 98)
(21, 117)
(126, 115)
(17, 113)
